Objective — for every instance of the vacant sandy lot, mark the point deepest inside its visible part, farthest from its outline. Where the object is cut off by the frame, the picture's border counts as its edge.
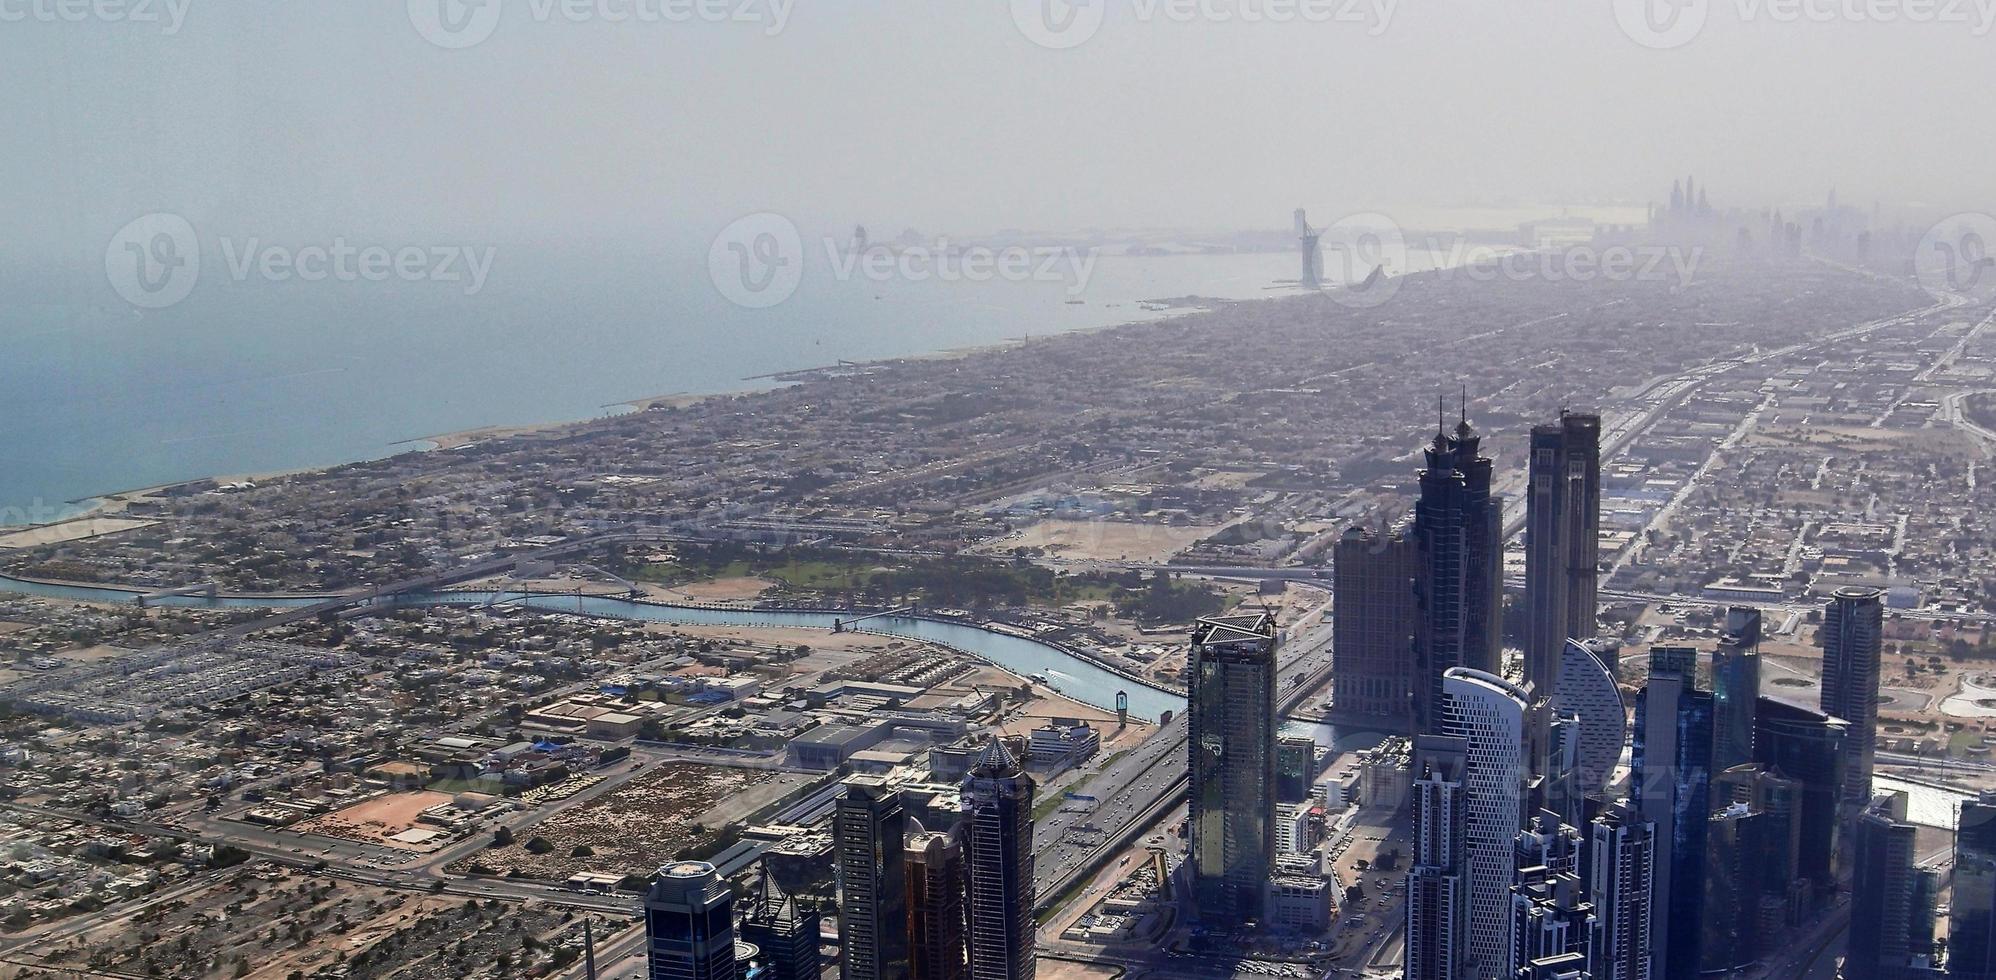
(641, 824)
(739, 589)
(378, 819)
(1104, 540)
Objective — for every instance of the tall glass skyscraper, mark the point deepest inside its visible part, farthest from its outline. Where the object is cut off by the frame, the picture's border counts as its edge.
(1671, 784)
(1562, 543)
(1372, 679)
(690, 924)
(998, 832)
(1735, 688)
(1231, 765)
(935, 907)
(1890, 932)
(1807, 747)
(868, 828)
(1458, 534)
(1853, 645)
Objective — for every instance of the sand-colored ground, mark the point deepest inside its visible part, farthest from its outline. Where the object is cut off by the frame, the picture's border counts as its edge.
(378, 820)
(1050, 968)
(739, 589)
(1103, 540)
(1227, 480)
(1050, 706)
(76, 530)
(641, 824)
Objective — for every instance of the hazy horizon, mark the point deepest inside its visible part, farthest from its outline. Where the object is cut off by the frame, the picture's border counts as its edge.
(306, 121)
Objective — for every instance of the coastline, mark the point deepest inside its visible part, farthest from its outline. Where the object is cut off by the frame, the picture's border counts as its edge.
(113, 502)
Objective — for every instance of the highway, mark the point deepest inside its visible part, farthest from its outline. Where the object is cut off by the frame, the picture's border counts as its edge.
(1133, 785)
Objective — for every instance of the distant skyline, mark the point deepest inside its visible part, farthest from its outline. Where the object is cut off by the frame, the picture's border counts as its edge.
(303, 120)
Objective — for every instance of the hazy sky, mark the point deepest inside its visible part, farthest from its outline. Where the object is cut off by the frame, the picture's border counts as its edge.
(308, 117)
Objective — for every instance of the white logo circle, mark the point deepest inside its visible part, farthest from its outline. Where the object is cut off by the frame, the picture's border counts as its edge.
(454, 24)
(154, 262)
(1058, 24)
(1662, 24)
(1364, 256)
(1957, 257)
(758, 261)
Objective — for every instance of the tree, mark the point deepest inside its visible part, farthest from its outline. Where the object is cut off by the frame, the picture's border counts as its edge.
(503, 837)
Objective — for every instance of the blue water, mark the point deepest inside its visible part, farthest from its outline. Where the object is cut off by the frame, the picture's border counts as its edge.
(1071, 675)
(252, 377)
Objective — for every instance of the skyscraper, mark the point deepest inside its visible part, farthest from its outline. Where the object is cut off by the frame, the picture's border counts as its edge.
(1551, 920)
(1776, 802)
(1231, 744)
(1622, 871)
(1489, 714)
(1971, 947)
(689, 924)
(1807, 747)
(998, 832)
(1587, 690)
(1853, 644)
(1374, 616)
(1736, 865)
(935, 907)
(1735, 688)
(785, 931)
(1671, 756)
(868, 828)
(1562, 542)
(1886, 896)
(1458, 534)
(1438, 881)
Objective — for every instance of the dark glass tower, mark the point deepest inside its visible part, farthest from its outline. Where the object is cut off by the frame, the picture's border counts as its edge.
(786, 932)
(1458, 534)
(867, 831)
(1885, 894)
(1372, 679)
(1231, 743)
(1671, 784)
(689, 924)
(998, 834)
(1562, 542)
(1735, 688)
(1807, 747)
(1971, 948)
(1853, 643)
(935, 907)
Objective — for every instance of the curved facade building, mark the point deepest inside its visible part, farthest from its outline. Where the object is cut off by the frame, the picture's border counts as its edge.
(1587, 689)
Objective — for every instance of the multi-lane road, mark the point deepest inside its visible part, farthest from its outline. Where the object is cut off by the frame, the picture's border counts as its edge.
(1131, 787)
